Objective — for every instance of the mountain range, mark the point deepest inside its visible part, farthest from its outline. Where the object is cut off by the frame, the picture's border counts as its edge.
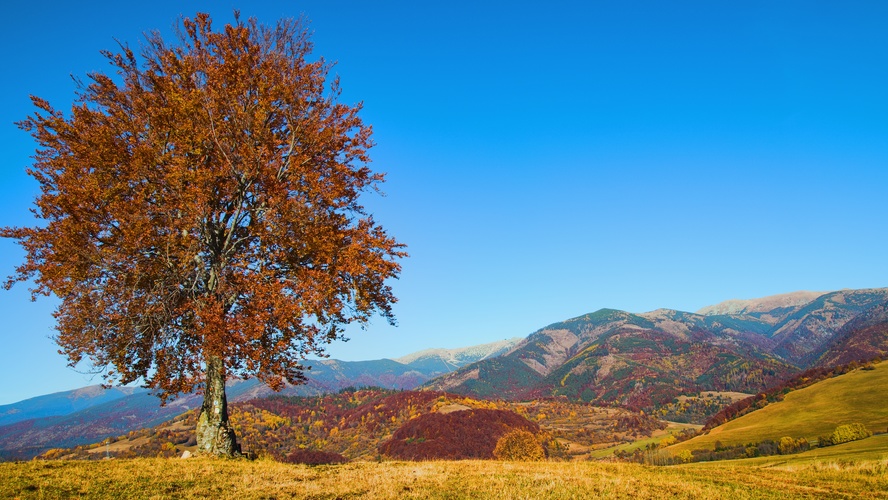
(642, 360)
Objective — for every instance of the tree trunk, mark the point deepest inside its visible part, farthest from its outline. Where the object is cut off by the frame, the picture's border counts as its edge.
(214, 435)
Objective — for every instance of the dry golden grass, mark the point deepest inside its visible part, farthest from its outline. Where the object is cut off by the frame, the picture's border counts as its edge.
(211, 478)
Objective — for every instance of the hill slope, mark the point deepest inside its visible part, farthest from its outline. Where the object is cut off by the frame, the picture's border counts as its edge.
(803, 336)
(62, 403)
(864, 337)
(28, 438)
(855, 397)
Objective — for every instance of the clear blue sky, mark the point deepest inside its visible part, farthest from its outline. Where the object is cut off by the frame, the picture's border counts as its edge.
(544, 159)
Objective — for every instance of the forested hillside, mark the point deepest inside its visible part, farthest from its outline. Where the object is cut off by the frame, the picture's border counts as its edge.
(646, 361)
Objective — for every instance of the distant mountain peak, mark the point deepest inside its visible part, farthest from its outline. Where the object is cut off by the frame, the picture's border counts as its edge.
(461, 355)
(761, 305)
(94, 391)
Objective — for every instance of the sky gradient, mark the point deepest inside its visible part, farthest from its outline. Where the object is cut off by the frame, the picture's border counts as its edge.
(544, 160)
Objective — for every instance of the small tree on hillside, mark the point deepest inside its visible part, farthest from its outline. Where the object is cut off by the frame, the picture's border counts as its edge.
(199, 215)
(519, 445)
(846, 433)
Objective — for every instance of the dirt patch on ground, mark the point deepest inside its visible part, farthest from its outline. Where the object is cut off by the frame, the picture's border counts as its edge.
(122, 445)
(452, 408)
(733, 396)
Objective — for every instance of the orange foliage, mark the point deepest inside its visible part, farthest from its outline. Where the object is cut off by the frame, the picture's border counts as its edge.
(519, 445)
(204, 204)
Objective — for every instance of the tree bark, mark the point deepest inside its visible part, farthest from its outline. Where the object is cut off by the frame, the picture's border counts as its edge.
(214, 435)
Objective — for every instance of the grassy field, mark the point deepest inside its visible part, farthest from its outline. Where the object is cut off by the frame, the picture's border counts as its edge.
(210, 478)
(857, 396)
(873, 449)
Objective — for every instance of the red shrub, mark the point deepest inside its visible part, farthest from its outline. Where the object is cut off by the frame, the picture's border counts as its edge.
(454, 436)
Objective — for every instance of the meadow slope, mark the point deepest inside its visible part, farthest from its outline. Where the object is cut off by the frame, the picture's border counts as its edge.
(816, 410)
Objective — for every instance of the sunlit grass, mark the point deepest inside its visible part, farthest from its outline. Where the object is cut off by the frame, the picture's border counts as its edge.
(209, 478)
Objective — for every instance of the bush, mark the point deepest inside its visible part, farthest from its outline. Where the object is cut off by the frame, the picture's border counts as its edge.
(684, 456)
(788, 445)
(846, 433)
(467, 434)
(519, 445)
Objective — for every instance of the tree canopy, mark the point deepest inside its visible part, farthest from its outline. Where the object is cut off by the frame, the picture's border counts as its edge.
(199, 210)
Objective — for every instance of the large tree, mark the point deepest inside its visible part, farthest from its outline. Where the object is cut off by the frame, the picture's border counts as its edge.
(199, 215)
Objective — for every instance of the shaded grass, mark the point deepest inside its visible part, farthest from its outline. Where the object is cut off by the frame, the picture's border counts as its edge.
(627, 447)
(857, 396)
(210, 478)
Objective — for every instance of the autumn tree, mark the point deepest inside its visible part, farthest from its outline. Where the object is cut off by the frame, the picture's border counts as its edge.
(199, 215)
(519, 445)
